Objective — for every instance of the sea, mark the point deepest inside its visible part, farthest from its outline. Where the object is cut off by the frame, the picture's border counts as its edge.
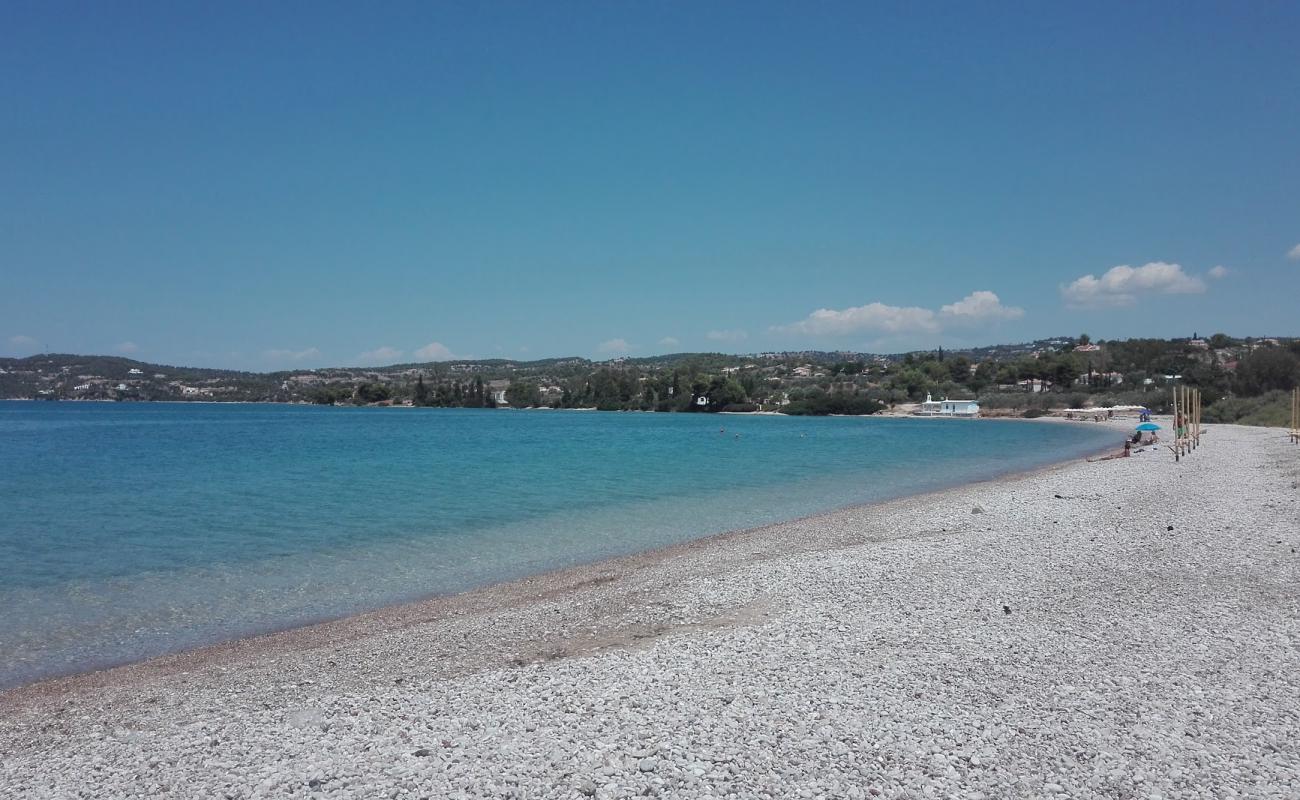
(132, 530)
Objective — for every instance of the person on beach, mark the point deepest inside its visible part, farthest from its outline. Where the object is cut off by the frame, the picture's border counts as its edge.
(1128, 447)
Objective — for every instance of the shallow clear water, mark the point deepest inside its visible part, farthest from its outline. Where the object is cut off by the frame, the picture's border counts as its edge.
(131, 530)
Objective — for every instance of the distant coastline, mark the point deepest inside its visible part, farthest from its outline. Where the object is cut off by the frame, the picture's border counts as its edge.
(1243, 379)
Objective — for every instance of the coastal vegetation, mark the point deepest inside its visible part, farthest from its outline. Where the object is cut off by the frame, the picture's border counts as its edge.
(1241, 379)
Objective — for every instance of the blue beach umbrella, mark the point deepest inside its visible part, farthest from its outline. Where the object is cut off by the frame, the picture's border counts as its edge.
(1147, 427)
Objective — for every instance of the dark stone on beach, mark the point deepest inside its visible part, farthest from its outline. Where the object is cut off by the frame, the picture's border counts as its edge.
(1006, 609)
(314, 783)
(1170, 528)
(422, 752)
(977, 510)
(1058, 497)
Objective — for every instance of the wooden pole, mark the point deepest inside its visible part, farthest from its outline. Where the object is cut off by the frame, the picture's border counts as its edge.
(1295, 416)
(1198, 417)
(1182, 419)
(1182, 429)
(1196, 412)
(1178, 453)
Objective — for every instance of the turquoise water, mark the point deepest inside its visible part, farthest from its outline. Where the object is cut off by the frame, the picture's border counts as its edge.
(131, 530)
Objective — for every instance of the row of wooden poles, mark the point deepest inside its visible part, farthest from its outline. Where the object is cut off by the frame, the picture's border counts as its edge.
(1187, 420)
(1295, 416)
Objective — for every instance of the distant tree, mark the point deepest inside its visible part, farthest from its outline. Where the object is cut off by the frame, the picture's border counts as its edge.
(1085, 338)
(833, 403)
(421, 392)
(372, 393)
(723, 392)
(1267, 368)
(1219, 341)
(959, 369)
(522, 394)
(1064, 373)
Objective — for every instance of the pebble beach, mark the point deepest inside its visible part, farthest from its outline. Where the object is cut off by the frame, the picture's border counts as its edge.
(1126, 628)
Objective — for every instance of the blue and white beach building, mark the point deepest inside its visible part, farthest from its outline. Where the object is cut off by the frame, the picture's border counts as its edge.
(947, 408)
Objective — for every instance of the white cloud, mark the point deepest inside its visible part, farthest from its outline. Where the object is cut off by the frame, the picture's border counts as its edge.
(23, 341)
(127, 347)
(1120, 286)
(433, 351)
(669, 341)
(727, 336)
(1294, 253)
(1219, 272)
(614, 346)
(380, 355)
(876, 317)
(981, 306)
(280, 354)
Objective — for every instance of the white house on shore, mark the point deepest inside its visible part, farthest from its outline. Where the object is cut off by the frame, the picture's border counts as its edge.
(947, 408)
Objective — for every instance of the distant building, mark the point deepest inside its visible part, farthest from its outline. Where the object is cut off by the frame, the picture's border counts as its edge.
(1087, 348)
(947, 408)
(134, 371)
(1100, 378)
(497, 391)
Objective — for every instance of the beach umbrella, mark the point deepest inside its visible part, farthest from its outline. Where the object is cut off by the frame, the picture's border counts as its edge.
(1148, 426)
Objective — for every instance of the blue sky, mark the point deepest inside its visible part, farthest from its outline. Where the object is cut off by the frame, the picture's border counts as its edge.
(281, 185)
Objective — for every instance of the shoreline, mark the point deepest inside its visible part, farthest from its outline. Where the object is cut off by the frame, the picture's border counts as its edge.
(290, 636)
(1063, 631)
(497, 595)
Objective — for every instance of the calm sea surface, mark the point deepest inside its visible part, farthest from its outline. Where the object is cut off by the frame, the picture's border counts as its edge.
(131, 530)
